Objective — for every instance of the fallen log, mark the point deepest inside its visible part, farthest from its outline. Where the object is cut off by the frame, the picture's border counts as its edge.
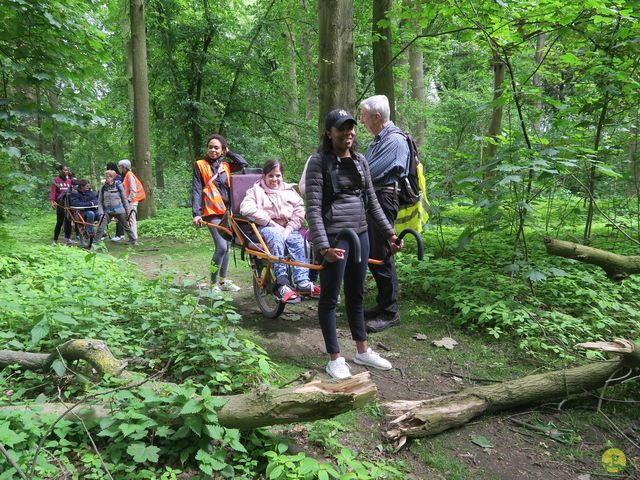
(428, 417)
(617, 267)
(94, 352)
(266, 406)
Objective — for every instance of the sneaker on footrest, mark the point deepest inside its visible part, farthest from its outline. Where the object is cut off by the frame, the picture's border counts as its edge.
(287, 295)
(310, 289)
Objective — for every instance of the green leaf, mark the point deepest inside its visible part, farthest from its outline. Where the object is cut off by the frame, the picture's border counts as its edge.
(481, 441)
(215, 432)
(277, 472)
(192, 406)
(64, 319)
(12, 151)
(39, 331)
(59, 367)
(8, 436)
(142, 453)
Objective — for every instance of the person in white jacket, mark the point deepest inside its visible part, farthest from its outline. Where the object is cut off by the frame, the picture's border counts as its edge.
(278, 211)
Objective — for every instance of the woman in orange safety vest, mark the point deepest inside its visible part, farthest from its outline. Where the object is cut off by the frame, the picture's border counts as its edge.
(210, 193)
(134, 191)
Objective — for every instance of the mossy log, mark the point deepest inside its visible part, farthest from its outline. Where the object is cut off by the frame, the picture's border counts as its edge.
(617, 267)
(94, 352)
(266, 406)
(269, 406)
(429, 417)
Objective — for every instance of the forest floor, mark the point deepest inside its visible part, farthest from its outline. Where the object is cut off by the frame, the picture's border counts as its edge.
(421, 370)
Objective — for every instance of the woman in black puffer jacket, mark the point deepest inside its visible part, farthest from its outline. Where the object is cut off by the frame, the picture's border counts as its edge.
(339, 195)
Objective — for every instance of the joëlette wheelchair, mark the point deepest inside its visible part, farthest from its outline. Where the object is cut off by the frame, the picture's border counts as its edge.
(244, 233)
(83, 229)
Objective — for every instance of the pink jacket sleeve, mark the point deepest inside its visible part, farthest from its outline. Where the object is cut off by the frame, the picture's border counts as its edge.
(297, 218)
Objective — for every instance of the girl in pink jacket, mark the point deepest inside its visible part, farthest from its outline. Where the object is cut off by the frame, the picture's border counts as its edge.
(278, 211)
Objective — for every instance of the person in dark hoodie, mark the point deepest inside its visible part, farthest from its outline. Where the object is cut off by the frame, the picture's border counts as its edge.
(112, 202)
(84, 198)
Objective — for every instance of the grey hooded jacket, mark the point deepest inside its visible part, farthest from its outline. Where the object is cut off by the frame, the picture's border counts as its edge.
(346, 210)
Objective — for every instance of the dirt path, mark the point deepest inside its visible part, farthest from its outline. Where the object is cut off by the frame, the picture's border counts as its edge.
(420, 371)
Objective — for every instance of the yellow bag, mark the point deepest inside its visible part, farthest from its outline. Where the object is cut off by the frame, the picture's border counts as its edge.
(415, 216)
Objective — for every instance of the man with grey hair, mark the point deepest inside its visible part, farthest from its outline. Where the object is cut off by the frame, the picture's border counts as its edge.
(388, 156)
(134, 191)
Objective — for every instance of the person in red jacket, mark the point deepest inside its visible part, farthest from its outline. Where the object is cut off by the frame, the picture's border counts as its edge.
(60, 187)
(134, 191)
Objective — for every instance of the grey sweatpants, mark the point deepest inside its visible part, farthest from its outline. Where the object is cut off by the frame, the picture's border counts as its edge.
(122, 221)
(220, 256)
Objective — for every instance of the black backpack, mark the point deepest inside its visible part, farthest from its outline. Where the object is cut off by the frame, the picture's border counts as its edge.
(409, 188)
(331, 188)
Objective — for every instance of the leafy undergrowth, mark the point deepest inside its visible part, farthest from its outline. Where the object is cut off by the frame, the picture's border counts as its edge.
(172, 223)
(547, 303)
(52, 294)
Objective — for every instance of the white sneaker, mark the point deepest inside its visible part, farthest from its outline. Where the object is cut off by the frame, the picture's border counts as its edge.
(228, 286)
(338, 368)
(68, 241)
(372, 359)
(117, 239)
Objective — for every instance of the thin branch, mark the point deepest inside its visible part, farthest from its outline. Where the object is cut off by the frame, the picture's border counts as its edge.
(12, 462)
(595, 204)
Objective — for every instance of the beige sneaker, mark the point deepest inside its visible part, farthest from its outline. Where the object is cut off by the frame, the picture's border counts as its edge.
(228, 286)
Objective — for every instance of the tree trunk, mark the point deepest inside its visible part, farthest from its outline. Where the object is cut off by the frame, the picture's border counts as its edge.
(292, 94)
(310, 73)
(337, 85)
(592, 169)
(381, 45)
(303, 403)
(94, 352)
(429, 417)
(416, 69)
(142, 157)
(266, 406)
(495, 127)
(536, 80)
(57, 144)
(617, 267)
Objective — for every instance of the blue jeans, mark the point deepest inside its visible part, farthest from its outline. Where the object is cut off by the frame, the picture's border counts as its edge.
(90, 217)
(294, 245)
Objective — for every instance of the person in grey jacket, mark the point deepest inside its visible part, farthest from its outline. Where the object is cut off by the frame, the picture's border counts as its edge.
(340, 195)
(112, 202)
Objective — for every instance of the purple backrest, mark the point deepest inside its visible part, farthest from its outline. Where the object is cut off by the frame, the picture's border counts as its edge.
(240, 183)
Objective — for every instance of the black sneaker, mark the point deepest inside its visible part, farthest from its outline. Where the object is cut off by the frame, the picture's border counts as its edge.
(384, 321)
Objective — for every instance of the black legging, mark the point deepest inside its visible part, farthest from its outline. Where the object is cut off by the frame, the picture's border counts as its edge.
(331, 277)
(61, 218)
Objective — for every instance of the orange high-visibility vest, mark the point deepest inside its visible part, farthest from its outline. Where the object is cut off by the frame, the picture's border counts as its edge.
(212, 202)
(126, 183)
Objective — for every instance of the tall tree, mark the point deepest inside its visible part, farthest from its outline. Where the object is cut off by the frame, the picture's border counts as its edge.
(381, 44)
(142, 157)
(336, 57)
